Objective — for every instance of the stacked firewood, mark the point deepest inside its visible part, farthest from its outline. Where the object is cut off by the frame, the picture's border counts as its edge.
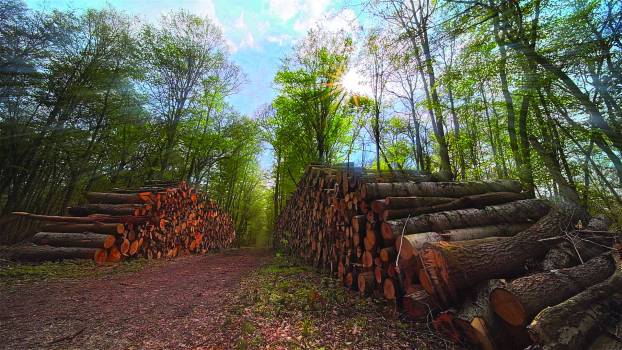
(483, 261)
(161, 219)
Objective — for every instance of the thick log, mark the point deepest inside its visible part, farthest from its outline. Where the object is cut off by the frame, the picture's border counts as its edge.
(574, 323)
(45, 253)
(599, 223)
(114, 255)
(72, 239)
(411, 244)
(371, 191)
(479, 232)
(452, 266)
(473, 321)
(611, 339)
(574, 250)
(391, 289)
(108, 209)
(118, 198)
(419, 305)
(365, 282)
(519, 301)
(475, 201)
(396, 203)
(53, 218)
(388, 254)
(109, 229)
(521, 211)
(97, 218)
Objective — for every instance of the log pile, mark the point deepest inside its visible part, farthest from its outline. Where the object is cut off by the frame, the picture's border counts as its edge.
(481, 260)
(159, 220)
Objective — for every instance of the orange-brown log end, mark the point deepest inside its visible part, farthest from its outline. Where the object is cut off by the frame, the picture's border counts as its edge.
(508, 307)
(100, 256)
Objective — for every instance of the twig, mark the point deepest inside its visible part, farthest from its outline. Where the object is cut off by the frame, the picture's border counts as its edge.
(67, 337)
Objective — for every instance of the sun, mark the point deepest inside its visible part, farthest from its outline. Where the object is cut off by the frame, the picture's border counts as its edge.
(353, 82)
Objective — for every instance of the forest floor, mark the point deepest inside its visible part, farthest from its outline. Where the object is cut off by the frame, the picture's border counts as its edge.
(237, 299)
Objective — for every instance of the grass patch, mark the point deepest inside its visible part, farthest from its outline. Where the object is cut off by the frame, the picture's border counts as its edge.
(288, 306)
(66, 269)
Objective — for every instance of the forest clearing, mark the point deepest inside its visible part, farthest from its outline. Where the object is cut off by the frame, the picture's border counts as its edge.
(311, 174)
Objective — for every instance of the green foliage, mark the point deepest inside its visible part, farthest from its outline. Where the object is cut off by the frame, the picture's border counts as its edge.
(98, 100)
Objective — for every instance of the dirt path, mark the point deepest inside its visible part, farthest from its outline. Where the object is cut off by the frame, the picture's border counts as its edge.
(175, 305)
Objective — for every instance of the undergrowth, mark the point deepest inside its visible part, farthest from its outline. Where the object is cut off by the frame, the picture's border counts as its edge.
(287, 306)
(67, 269)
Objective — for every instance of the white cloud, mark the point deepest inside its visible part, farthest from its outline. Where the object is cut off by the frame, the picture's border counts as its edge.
(203, 8)
(280, 39)
(345, 20)
(285, 9)
(240, 23)
(241, 37)
(310, 13)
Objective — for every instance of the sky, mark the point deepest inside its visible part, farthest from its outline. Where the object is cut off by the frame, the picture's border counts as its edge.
(259, 33)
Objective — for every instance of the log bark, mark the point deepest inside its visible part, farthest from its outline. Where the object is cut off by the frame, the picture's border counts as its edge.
(452, 266)
(475, 201)
(45, 253)
(371, 191)
(394, 203)
(419, 305)
(519, 301)
(365, 282)
(479, 232)
(521, 211)
(118, 198)
(109, 229)
(473, 321)
(412, 244)
(575, 322)
(611, 339)
(98, 218)
(108, 209)
(391, 289)
(71, 239)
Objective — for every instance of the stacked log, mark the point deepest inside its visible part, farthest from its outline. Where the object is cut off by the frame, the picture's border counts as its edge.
(155, 221)
(471, 256)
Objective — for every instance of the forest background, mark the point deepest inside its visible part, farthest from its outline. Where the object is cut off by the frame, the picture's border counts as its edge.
(469, 90)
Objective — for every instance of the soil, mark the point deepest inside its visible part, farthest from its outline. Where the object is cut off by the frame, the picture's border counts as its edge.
(175, 305)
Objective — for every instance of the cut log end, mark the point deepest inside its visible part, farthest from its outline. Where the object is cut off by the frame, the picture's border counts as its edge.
(101, 256)
(389, 289)
(508, 307)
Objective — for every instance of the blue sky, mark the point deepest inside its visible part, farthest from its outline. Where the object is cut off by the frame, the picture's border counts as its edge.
(259, 32)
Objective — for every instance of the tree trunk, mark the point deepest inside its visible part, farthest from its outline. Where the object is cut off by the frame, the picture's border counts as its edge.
(509, 102)
(108, 209)
(44, 253)
(452, 266)
(522, 211)
(72, 239)
(574, 323)
(473, 321)
(118, 198)
(479, 232)
(412, 244)
(365, 282)
(109, 229)
(474, 201)
(611, 339)
(520, 300)
(419, 305)
(371, 191)
(379, 205)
